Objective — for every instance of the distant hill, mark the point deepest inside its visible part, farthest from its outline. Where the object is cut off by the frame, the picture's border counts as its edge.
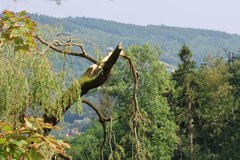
(108, 33)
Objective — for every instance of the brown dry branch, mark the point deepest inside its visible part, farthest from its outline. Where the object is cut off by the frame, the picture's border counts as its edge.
(55, 46)
(104, 140)
(110, 140)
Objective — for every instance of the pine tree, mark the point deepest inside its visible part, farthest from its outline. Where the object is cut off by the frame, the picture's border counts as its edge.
(184, 102)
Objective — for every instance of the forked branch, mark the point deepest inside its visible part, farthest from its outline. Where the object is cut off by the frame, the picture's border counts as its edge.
(56, 47)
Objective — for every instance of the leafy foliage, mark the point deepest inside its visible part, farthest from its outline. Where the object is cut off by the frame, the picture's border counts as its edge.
(28, 142)
(17, 30)
(86, 146)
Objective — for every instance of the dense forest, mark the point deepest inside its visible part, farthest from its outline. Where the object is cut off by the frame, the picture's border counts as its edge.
(107, 33)
(121, 105)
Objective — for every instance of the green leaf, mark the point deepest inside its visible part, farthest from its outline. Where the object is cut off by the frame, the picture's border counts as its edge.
(7, 128)
(2, 157)
(22, 13)
(35, 155)
(36, 138)
(15, 33)
(19, 143)
(2, 140)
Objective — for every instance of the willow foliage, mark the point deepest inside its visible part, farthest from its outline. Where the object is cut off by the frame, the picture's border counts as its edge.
(29, 82)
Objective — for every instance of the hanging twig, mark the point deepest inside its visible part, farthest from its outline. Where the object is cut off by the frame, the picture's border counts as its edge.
(104, 141)
(110, 140)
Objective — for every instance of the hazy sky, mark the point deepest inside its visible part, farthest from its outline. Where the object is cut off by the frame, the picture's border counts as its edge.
(222, 15)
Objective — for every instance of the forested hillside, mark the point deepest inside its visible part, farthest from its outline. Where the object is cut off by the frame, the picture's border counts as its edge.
(107, 33)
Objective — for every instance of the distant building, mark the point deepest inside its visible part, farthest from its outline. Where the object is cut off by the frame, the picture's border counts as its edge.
(73, 132)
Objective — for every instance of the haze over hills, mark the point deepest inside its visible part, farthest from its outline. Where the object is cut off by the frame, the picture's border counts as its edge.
(108, 33)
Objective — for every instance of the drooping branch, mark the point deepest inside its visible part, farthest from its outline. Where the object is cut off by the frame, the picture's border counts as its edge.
(137, 117)
(135, 76)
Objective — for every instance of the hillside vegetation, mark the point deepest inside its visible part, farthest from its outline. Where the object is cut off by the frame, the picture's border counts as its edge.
(107, 33)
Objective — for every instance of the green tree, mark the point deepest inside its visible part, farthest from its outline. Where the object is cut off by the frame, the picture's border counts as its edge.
(229, 135)
(185, 100)
(215, 110)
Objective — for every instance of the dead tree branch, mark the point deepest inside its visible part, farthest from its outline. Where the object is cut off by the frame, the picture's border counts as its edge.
(55, 46)
(93, 77)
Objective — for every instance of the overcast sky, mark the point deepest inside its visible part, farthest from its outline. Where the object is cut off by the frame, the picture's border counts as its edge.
(221, 15)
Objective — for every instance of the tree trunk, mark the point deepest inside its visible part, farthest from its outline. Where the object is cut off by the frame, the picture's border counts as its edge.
(190, 129)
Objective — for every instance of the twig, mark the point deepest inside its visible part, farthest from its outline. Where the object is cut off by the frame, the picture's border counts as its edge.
(83, 53)
(101, 117)
(110, 140)
(104, 140)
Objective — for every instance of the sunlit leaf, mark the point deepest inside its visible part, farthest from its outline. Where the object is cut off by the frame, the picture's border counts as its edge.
(7, 128)
(22, 13)
(2, 140)
(35, 155)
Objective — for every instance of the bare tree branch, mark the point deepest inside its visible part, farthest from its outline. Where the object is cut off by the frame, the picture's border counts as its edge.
(56, 48)
(93, 77)
(101, 117)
